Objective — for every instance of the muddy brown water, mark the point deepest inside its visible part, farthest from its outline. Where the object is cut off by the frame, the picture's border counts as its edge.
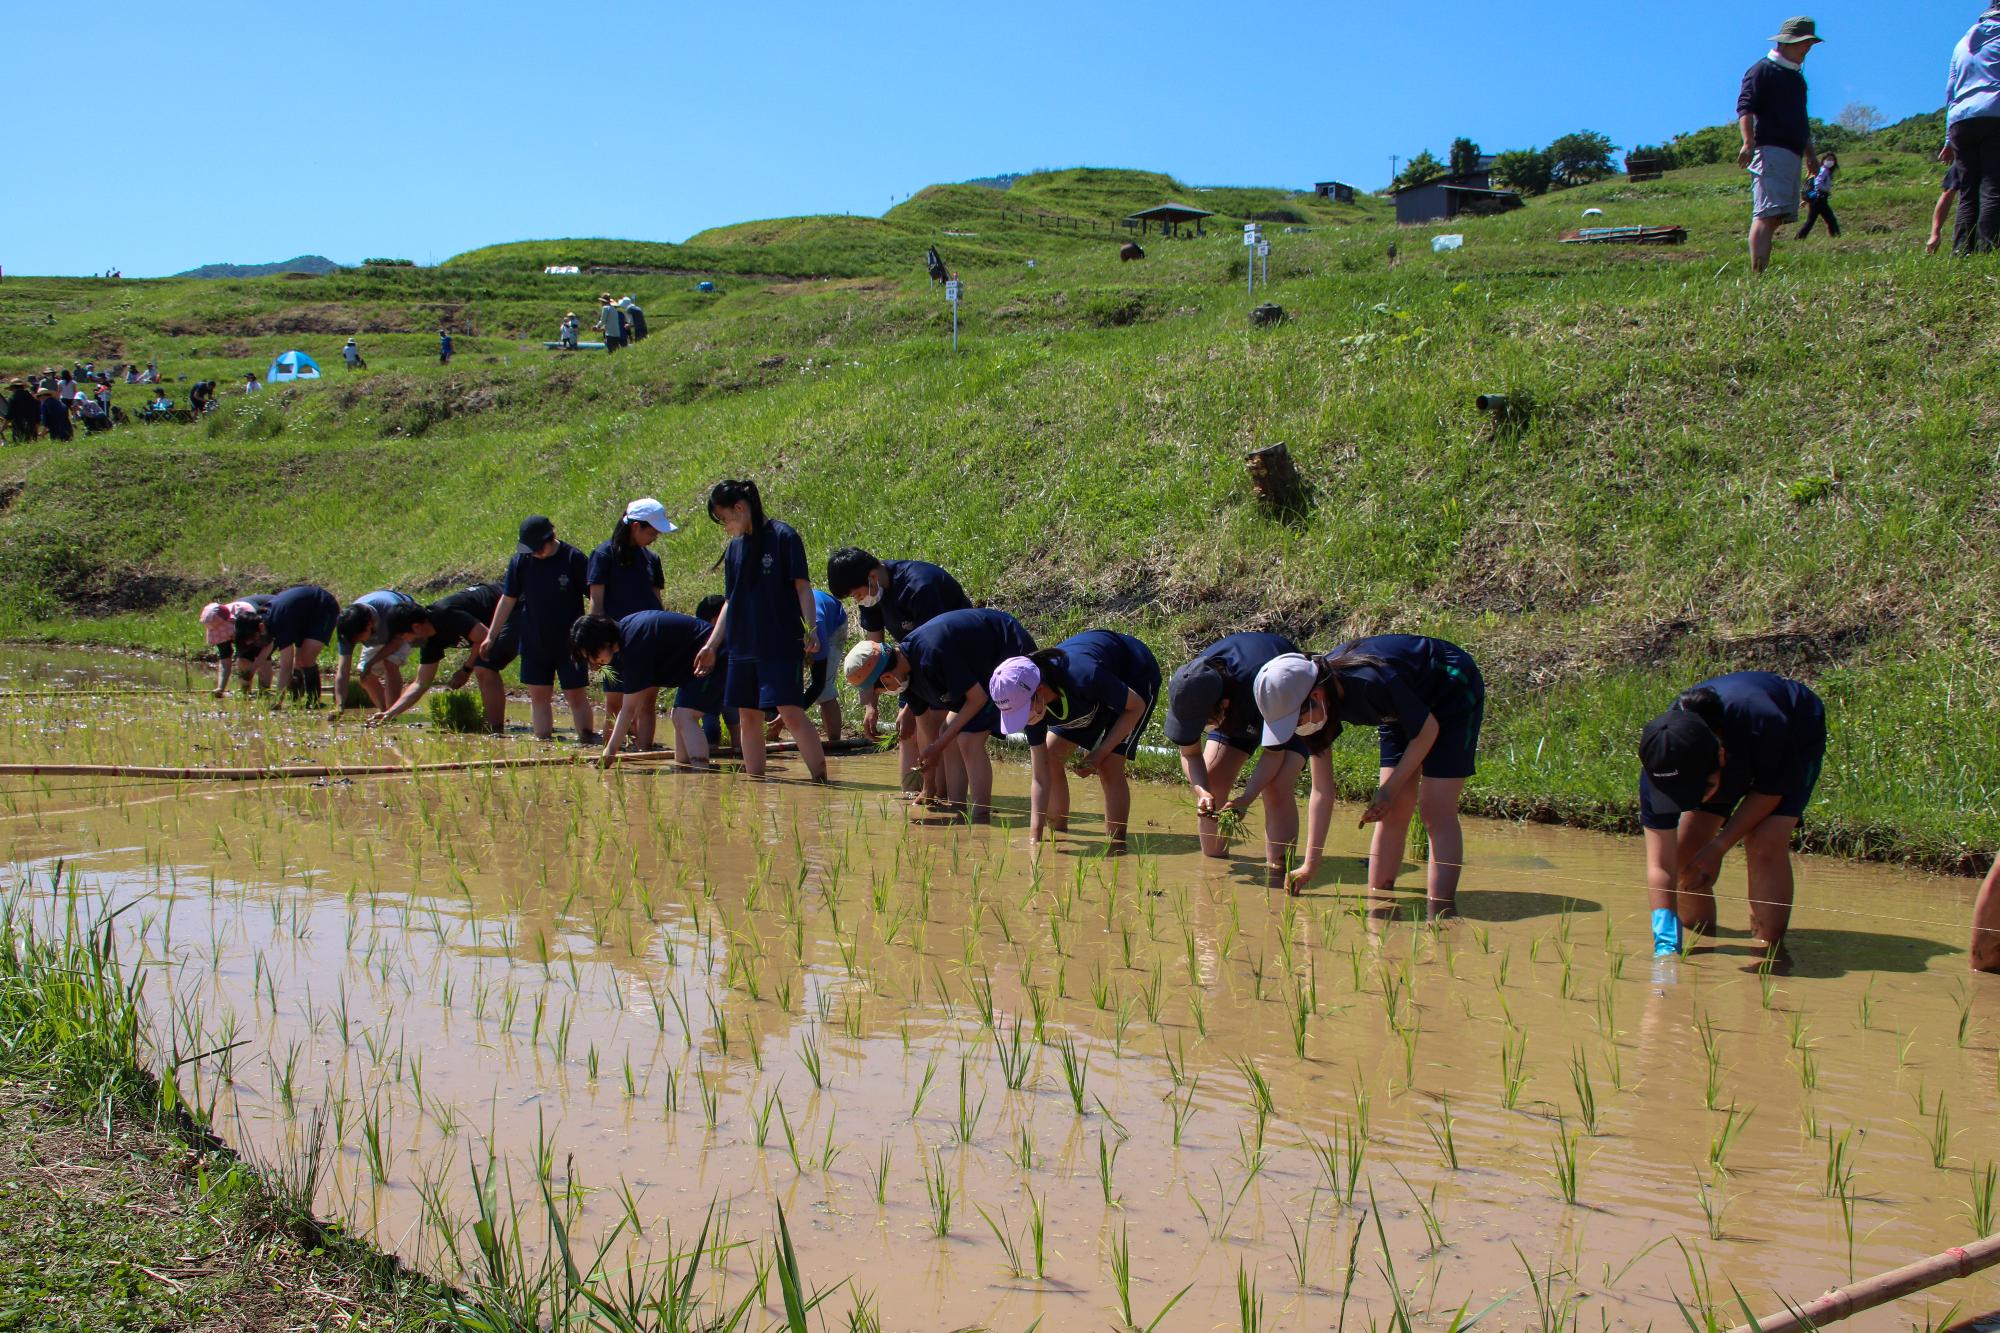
(558, 969)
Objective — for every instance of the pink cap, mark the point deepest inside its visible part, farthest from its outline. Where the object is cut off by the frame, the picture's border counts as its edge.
(219, 622)
(1012, 688)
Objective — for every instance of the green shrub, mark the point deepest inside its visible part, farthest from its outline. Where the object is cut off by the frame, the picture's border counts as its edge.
(457, 711)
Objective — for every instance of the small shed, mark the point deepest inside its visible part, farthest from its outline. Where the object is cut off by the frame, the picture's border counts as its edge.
(1645, 166)
(1171, 217)
(1447, 197)
(1338, 191)
(293, 365)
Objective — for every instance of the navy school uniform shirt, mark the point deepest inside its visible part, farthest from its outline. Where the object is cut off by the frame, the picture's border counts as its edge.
(1093, 675)
(957, 650)
(551, 594)
(1420, 676)
(918, 593)
(453, 617)
(632, 581)
(1773, 731)
(1240, 656)
(300, 613)
(760, 578)
(659, 648)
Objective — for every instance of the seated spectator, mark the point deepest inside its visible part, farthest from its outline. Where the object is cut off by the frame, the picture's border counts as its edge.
(55, 417)
(250, 383)
(161, 405)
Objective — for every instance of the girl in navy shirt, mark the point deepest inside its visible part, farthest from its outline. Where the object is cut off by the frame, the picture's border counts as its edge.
(654, 649)
(297, 627)
(545, 580)
(1734, 760)
(624, 576)
(1093, 692)
(1426, 700)
(766, 623)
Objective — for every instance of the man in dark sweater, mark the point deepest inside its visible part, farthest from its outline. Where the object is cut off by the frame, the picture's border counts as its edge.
(1777, 136)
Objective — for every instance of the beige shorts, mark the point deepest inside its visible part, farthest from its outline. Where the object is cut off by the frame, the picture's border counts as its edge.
(1775, 184)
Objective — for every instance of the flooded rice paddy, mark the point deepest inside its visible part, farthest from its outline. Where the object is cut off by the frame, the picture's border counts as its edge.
(990, 1089)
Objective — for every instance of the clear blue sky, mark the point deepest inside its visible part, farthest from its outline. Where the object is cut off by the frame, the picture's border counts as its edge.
(157, 138)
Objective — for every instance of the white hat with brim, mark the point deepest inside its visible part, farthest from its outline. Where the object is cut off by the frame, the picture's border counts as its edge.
(1281, 688)
(650, 512)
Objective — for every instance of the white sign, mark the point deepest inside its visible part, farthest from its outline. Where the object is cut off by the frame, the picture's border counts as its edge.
(951, 290)
(1263, 249)
(1251, 237)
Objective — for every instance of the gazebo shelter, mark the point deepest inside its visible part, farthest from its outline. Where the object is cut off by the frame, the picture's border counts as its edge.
(1171, 217)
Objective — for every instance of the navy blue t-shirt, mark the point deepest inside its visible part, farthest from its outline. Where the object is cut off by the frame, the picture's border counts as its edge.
(760, 575)
(1419, 676)
(957, 650)
(1773, 730)
(918, 593)
(301, 613)
(453, 617)
(632, 582)
(551, 593)
(1239, 657)
(659, 649)
(1092, 675)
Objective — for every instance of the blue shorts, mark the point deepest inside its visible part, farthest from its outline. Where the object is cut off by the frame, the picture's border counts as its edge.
(503, 648)
(1655, 813)
(1088, 738)
(704, 694)
(316, 624)
(543, 665)
(765, 683)
(1452, 753)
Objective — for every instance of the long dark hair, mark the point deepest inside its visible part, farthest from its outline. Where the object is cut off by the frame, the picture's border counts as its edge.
(728, 493)
(1705, 704)
(1331, 668)
(623, 549)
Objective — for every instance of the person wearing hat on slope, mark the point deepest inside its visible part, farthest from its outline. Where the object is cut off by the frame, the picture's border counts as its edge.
(1212, 719)
(545, 581)
(1426, 700)
(895, 597)
(611, 320)
(350, 352)
(296, 627)
(566, 332)
(1093, 692)
(1735, 760)
(943, 666)
(1972, 136)
(766, 625)
(55, 416)
(459, 618)
(218, 623)
(653, 649)
(24, 418)
(1777, 135)
(625, 577)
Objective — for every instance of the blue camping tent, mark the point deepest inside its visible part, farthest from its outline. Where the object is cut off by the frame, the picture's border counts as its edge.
(292, 366)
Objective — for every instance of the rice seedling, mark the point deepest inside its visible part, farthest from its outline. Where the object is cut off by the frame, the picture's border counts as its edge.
(1256, 1087)
(1940, 1134)
(1004, 1234)
(1024, 1156)
(1181, 1108)
(1586, 1093)
(1014, 1054)
(1121, 1277)
(1440, 1131)
(1426, 1213)
(1568, 1168)
(1300, 1251)
(939, 1193)
(1712, 1203)
(966, 1126)
(1513, 1067)
(1107, 1162)
(880, 1173)
(1733, 1123)
(924, 1086)
(1249, 1302)
(1839, 1177)
(1979, 1209)
(1076, 1071)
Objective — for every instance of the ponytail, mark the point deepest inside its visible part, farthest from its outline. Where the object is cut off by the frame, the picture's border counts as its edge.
(622, 546)
(1331, 668)
(1705, 704)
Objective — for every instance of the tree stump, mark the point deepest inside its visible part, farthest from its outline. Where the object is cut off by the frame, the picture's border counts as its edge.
(1275, 478)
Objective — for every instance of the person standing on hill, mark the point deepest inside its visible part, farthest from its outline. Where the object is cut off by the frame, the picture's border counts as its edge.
(1777, 135)
(626, 578)
(612, 321)
(1972, 133)
(350, 352)
(444, 347)
(1735, 760)
(1819, 198)
(635, 320)
(546, 581)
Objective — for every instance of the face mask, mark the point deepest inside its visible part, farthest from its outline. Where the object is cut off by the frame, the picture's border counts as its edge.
(869, 597)
(1311, 728)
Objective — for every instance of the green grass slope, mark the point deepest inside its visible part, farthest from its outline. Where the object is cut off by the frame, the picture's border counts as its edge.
(1705, 471)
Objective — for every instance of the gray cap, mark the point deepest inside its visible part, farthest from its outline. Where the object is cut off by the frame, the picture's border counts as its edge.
(1282, 686)
(1193, 693)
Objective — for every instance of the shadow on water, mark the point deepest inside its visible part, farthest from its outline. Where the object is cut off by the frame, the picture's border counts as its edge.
(1520, 904)
(1817, 953)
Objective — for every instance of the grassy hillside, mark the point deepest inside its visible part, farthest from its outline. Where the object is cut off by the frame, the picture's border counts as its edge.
(1701, 471)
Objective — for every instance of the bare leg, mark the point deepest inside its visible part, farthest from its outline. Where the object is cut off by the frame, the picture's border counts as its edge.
(807, 736)
(612, 704)
(1768, 850)
(579, 713)
(647, 725)
(1696, 907)
(541, 711)
(830, 719)
(1437, 798)
(690, 745)
(493, 697)
(977, 765)
(1761, 232)
(1055, 805)
(1391, 838)
(1281, 815)
(1117, 799)
(750, 739)
(1986, 923)
(1223, 762)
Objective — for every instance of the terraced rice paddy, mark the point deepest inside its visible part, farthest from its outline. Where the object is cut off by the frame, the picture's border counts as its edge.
(990, 1089)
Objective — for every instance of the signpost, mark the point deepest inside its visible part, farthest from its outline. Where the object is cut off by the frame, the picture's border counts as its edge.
(952, 293)
(1253, 240)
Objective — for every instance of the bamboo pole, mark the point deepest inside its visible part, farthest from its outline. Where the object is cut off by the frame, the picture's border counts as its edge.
(1843, 1302)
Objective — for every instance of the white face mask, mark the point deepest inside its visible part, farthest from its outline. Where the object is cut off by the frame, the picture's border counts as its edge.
(1310, 728)
(869, 595)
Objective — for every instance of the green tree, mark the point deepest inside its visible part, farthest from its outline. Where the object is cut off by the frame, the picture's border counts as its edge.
(1526, 169)
(1464, 156)
(1423, 167)
(1578, 159)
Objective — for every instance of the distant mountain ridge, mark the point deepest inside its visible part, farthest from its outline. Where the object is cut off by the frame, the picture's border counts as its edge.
(302, 264)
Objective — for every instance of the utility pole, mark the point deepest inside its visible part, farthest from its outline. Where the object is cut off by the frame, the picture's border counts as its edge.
(1393, 161)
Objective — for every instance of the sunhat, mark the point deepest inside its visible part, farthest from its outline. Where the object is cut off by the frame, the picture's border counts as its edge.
(1797, 30)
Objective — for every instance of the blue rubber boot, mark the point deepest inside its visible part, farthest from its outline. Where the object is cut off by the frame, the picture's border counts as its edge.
(1666, 932)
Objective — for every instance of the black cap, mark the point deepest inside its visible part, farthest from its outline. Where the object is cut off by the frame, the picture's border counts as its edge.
(1193, 694)
(1680, 753)
(536, 529)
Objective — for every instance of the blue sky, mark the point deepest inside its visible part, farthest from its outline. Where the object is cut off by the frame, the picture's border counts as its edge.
(246, 133)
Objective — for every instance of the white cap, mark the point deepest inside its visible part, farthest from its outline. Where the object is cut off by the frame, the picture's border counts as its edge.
(1281, 689)
(860, 663)
(651, 512)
